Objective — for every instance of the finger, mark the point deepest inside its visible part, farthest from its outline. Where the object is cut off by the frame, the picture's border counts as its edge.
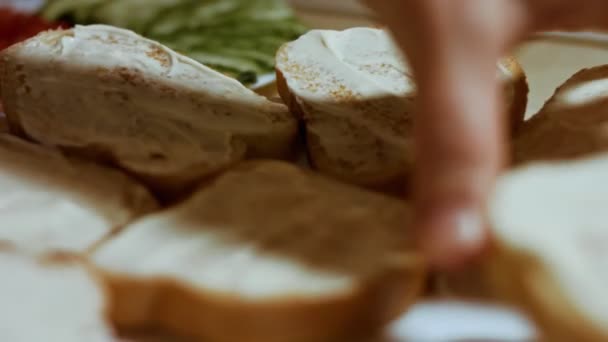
(459, 151)
(453, 48)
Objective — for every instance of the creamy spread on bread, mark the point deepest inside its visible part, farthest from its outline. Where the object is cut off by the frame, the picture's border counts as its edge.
(356, 92)
(93, 45)
(354, 89)
(339, 73)
(139, 103)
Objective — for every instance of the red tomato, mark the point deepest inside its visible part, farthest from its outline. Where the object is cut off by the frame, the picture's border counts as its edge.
(16, 26)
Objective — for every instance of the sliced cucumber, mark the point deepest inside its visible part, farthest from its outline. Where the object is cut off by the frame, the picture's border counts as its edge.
(228, 13)
(247, 77)
(236, 37)
(77, 11)
(267, 10)
(136, 15)
(251, 48)
(286, 29)
(213, 12)
(283, 30)
(265, 60)
(240, 65)
(173, 19)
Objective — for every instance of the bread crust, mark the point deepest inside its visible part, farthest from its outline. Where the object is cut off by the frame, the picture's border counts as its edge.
(218, 317)
(395, 180)
(516, 111)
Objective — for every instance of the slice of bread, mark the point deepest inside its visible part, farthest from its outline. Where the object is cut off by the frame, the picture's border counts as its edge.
(114, 95)
(572, 124)
(53, 203)
(356, 94)
(551, 255)
(54, 300)
(267, 252)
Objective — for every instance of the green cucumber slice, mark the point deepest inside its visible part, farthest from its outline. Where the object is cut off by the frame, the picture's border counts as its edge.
(76, 11)
(240, 65)
(135, 15)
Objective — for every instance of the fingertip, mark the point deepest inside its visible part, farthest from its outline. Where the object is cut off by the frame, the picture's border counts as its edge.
(450, 238)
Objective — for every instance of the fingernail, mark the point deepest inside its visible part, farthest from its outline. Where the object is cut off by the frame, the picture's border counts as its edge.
(451, 237)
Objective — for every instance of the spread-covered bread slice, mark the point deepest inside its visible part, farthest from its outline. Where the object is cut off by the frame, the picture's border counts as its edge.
(49, 202)
(550, 224)
(110, 93)
(356, 94)
(266, 252)
(54, 300)
(572, 124)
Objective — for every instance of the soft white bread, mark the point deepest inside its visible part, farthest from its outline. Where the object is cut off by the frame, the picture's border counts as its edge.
(356, 94)
(112, 94)
(551, 255)
(572, 124)
(53, 203)
(54, 300)
(267, 252)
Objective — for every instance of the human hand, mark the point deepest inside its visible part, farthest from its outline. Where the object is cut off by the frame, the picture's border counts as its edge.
(453, 47)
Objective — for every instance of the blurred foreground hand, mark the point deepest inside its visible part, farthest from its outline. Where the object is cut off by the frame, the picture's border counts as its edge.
(453, 47)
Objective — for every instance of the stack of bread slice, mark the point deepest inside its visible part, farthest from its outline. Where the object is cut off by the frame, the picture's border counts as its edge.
(105, 124)
(100, 118)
